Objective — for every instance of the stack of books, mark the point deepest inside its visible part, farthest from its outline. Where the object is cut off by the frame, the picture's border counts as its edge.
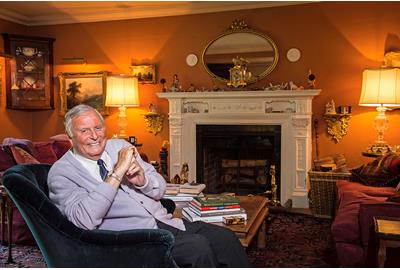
(185, 192)
(213, 208)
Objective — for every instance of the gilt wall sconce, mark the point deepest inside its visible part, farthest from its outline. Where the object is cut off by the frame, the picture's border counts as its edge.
(154, 122)
(338, 122)
(338, 125)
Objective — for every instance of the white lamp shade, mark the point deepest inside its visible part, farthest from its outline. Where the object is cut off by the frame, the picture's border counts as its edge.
(122, 91)
(380, 87)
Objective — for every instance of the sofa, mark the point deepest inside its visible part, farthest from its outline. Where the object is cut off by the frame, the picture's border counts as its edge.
(20, 151)
(353, 226)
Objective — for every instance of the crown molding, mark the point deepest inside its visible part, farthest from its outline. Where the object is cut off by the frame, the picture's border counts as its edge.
(79, 12)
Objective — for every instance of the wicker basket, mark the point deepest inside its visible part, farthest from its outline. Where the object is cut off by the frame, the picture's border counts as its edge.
(323, 192)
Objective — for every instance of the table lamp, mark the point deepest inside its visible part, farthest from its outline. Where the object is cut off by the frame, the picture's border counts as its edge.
(122, 92)
(380, 88)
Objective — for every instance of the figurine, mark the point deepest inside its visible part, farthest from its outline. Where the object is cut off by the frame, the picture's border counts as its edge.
(163, 159)
(184, 173)
(311, 80)
(292, 86)
(163, 81)
(330, 107)
(175, 84)
(392, 59)
(152, 108)
(191, 88)
(176, 179)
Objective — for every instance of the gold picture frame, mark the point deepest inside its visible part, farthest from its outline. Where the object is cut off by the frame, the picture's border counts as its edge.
(145, 73)
(87, 88)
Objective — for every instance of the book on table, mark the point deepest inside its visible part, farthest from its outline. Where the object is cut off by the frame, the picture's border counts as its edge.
(205, 213)
(182, 197)
(219, 207)
(187, 188)
(189, 215)
(215, 200)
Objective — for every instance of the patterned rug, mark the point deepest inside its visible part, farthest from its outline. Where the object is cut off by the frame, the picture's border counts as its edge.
(293, 240)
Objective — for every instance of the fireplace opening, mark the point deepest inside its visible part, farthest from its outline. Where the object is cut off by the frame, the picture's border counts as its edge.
(237, 158)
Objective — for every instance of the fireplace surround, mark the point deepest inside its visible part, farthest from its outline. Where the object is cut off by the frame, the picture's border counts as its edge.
(290, 109)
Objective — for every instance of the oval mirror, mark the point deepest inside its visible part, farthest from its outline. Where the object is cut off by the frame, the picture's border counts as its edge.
(259, 50)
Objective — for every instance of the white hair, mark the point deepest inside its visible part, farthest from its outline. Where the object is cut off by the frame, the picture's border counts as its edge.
(76, 111)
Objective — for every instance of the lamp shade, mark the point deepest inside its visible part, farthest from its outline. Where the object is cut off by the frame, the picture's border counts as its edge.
(122, 91)
(380, 87)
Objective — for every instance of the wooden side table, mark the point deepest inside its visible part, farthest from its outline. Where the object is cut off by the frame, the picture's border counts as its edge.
(387, 230)
(6, 205)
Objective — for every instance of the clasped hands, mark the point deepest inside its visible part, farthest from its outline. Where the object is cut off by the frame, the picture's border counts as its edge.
(127, 167)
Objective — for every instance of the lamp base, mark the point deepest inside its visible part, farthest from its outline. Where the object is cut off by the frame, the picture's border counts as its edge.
(377, 149)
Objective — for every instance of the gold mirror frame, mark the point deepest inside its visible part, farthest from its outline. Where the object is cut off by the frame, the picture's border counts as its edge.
(235, 28)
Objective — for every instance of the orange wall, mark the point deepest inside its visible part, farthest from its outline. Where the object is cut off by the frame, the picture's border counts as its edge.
(337, 41)
(13, 123)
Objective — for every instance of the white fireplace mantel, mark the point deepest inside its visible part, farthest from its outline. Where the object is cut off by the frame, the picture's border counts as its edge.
(291, 109)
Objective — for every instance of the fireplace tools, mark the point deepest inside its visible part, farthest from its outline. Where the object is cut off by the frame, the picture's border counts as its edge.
(274, 188)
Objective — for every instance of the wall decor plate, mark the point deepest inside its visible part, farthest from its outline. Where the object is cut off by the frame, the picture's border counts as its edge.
(293, 54)
(191, 60)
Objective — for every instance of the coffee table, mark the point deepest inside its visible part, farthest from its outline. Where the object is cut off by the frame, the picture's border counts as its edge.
(257, 211)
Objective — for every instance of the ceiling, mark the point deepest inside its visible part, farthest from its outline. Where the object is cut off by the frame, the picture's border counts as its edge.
(32, 13)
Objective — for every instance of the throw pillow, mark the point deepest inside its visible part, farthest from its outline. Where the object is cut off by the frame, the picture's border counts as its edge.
(379, 172)
(6, 160)
(44, 152)
(21, 156)
(25, 144)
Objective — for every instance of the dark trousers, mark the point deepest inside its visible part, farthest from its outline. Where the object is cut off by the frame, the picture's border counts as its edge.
(206, 245)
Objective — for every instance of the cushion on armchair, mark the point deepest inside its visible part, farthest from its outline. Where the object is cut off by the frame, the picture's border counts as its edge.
(44, 152)
(6, 161)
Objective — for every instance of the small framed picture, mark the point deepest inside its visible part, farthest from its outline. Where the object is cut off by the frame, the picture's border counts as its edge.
(132, 140)
(87, 88)
(144, 73)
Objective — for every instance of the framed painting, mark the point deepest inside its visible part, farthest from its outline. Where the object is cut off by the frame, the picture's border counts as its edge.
(29, 72)
(83, 88)
(144, 73)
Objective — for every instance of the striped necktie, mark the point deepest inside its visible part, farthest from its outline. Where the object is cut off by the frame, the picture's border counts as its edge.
(102, 168)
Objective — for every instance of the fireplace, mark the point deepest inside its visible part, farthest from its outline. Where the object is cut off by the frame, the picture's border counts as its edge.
(237, 158)
(289, 111)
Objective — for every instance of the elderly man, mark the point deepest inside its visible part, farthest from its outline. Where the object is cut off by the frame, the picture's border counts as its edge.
(104, 184)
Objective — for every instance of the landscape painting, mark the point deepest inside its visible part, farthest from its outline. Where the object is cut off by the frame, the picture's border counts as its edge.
(83, 88)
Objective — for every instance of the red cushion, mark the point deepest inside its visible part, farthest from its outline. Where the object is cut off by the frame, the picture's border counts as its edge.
(44, 152)
(21, 156)
(380, 172)
(25, 144)
(6, 160)
(61, 147)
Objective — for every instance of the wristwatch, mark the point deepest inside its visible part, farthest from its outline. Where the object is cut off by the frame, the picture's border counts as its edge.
(115, 176)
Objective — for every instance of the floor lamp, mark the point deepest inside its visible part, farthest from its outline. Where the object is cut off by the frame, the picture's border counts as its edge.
(380, 88)
(122, 92)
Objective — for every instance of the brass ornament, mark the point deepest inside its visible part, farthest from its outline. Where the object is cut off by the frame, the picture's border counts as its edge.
(154, 122)
(337, 125)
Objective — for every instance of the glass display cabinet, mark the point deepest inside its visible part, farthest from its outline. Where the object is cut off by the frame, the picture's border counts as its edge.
(29, 74)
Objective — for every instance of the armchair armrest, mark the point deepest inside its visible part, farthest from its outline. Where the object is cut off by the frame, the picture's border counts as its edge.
(368, 211)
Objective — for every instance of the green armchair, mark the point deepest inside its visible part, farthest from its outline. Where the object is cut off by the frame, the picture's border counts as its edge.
(65, 245)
